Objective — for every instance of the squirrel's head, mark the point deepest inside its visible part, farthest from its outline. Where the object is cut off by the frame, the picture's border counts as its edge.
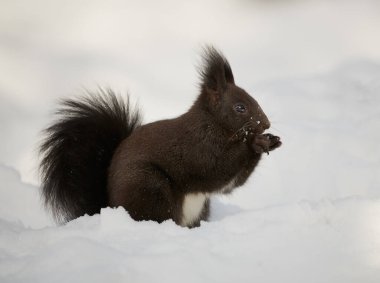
(232, 107)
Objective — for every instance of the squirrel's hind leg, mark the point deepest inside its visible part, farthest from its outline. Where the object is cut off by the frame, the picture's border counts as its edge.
(146, 194)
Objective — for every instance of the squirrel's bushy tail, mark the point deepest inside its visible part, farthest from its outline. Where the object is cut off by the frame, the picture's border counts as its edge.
(77, 151)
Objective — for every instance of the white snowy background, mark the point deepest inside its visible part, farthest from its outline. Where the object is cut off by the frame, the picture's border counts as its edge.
(310, 212)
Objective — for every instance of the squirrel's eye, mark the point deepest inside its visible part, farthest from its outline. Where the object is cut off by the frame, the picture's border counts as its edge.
(240, 108)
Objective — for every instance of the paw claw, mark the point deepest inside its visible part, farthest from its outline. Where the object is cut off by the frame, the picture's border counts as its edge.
(265, 143)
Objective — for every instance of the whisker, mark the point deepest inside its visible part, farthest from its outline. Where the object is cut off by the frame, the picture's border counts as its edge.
(243, 128)
(275, 128)
(278, 130)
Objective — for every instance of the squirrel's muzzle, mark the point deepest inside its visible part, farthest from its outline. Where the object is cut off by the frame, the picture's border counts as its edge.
(262, 122)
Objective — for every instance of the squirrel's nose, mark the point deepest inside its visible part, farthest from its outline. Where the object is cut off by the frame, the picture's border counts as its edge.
(262, 124)
(265, 124)
(262, 120)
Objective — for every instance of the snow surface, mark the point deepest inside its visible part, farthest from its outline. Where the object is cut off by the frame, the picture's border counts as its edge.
(310, 212)
(325, 241)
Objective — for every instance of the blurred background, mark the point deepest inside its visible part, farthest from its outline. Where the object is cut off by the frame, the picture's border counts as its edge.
(313, 65)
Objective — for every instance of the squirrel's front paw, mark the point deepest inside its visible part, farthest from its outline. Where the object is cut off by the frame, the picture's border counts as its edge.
(265, 143)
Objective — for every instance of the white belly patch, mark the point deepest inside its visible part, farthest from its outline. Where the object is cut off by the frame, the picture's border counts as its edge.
(193, 204)
(192, 208)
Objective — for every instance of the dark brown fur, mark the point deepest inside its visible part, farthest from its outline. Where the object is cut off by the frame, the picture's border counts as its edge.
(200, 151)
(212, 145)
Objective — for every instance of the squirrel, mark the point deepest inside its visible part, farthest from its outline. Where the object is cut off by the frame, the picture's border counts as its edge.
(98, 153)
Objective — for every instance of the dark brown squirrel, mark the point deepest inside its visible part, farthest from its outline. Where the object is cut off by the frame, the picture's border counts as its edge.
(98, 154)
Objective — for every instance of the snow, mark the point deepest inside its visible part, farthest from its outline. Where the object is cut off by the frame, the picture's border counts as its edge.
(310, 212)
(325, 241)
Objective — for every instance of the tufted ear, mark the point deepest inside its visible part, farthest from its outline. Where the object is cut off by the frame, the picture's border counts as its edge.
(215, 71)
